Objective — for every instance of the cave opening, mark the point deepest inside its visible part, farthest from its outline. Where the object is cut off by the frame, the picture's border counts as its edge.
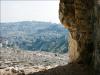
(31, 35)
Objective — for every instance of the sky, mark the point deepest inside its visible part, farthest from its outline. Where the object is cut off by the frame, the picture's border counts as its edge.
(13, 11)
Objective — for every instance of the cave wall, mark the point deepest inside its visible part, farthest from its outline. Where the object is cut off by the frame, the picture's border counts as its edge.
(78, 16)
(97, 38)
(82, 18)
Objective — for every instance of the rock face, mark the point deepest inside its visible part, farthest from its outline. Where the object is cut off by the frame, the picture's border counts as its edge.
(82, 18)
(78, 16)
(97, 41)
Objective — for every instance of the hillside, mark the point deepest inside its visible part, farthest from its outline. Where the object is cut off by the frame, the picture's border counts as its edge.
(34, 35)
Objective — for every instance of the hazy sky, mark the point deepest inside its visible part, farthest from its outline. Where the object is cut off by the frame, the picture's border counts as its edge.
(12, 11)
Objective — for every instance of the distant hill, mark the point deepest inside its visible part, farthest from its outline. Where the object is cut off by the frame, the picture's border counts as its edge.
(34, 35)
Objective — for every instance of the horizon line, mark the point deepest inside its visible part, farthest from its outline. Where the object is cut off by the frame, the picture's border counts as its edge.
(28, 21)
